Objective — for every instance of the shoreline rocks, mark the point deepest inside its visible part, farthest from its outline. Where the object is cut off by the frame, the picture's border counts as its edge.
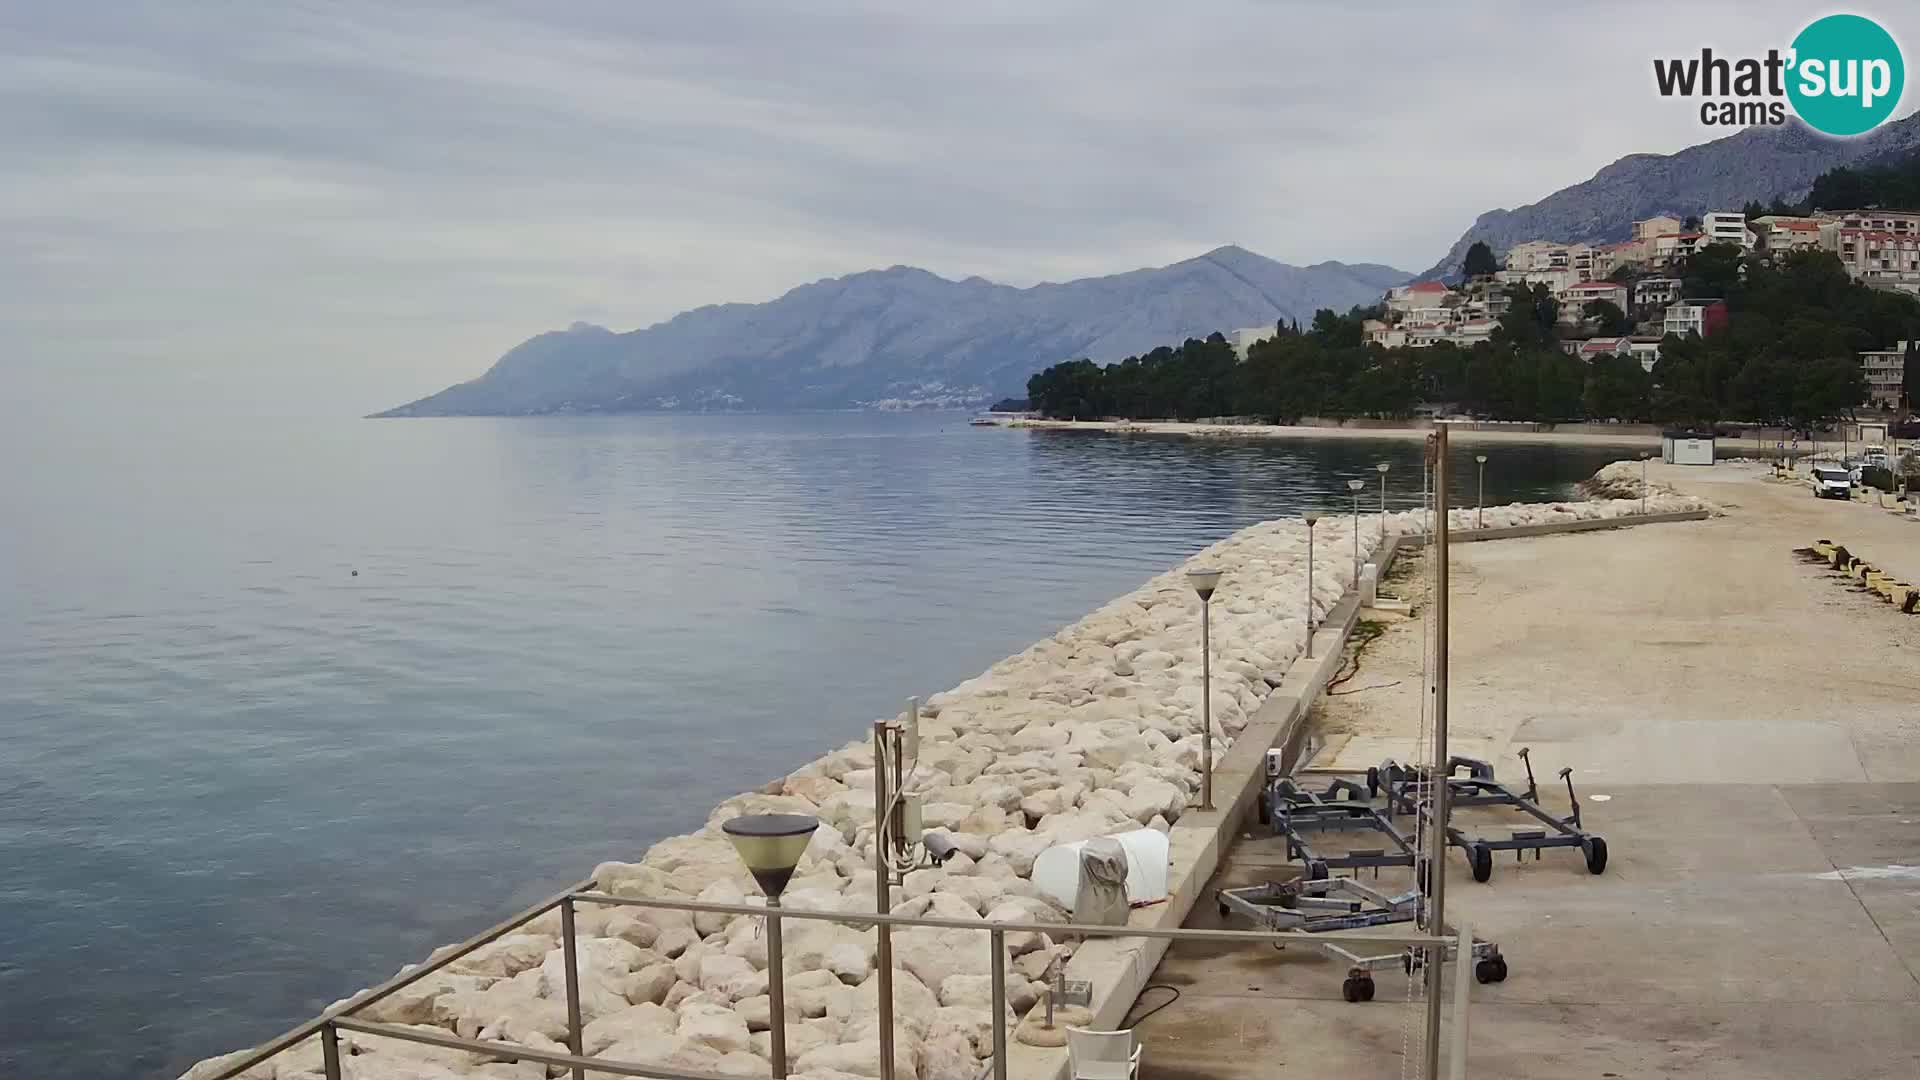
(1093, 730)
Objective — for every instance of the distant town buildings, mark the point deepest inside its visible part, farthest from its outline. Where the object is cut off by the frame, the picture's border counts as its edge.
(1655, 293)
(1727, 227)
(1245, 338)
(1885, 374)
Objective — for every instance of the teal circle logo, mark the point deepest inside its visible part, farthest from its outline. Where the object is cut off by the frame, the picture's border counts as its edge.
(1847, 74)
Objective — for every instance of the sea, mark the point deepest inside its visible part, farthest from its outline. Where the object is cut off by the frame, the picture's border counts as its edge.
(284, 705)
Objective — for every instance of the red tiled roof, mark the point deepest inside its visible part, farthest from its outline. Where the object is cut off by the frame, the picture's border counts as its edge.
(1427, 286)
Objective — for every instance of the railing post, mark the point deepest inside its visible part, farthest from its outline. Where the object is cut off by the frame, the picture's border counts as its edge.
(776, 990)
(883, 894)
(1462, 989)
(999, 939)
(568, 955)
(330, 1051)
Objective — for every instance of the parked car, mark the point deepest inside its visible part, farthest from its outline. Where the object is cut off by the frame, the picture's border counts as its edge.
(1832, 481)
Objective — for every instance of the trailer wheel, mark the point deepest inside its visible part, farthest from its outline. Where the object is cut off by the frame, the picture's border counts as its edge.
(1264, 809)
(1373, 781)
(1492, 969)
(1357, 988)
(1596, 850)
(1316, 871)
(1480, 857)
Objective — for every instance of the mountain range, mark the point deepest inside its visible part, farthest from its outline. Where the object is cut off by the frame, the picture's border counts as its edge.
(904, 337)
(1761, 163)
(896, 338)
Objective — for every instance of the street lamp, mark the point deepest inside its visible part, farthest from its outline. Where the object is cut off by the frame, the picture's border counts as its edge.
(1382, 469)
(1355, 486)
(1312, 518)
(1204, 582)
(1480, 508)
(771, 846)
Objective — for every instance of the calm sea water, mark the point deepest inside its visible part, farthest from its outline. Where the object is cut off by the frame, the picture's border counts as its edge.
(283, 706)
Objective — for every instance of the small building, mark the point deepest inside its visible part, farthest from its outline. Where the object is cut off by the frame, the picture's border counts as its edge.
(1594, 348)
(1777, 234)
(1655, 293)
(1246, 337)
(1575, 298)
(1403, 298)
(1645, 350)
(1701, 315)
(1885, 371)
(1657, 225)
(1679, 447)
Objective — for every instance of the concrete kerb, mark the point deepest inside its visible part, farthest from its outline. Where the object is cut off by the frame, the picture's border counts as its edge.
(1515, 532)
(1119, 968)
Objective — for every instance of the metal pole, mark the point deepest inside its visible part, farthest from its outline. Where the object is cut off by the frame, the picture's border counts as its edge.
(1437, 868)
(330, 1051)
(1480, 500)
(1643, 483)
(1462, 990)
(776, 989)
(568, 957)
(1206, 705)
(999, 940)
(1383, 503)
(883, 895)
(1356, 539)
(1309, 590)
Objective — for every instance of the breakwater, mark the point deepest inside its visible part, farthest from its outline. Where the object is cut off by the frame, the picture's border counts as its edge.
(1090, 731)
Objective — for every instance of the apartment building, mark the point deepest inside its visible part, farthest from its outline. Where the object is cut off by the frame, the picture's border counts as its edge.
(1655, 293)
(1726, 227)
(1575, 298)
(1403, 298)
(1780, 233)
(1884, 258)
(1702, 315)
(1658, 225)
(1885, 372)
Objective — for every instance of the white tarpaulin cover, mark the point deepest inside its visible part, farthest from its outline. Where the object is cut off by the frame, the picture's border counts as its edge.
(1057, 871)
(1101, 899)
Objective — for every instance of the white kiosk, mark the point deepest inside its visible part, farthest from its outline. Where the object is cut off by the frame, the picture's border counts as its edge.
(1686, 447)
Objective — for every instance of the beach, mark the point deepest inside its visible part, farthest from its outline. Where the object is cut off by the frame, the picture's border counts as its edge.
(1638, 436)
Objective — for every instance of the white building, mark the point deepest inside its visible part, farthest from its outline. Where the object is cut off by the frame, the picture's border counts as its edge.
(1658, 225)
(1655, 292)
(1575, 298)
(1404, 298)
(1885, 371)
(1878, 248)
(1726, 227)
(1700, 316)
(1245, 338)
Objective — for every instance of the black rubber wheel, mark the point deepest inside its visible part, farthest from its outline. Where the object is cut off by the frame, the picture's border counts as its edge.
(1264, 811)
(1357, 988)
(1596, 849)
(1373, 781)
(1316, 871)
(1486, 971)
(1480, 857)
(1500, 968)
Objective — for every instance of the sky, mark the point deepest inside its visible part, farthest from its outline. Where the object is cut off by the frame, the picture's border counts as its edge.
(335, 207)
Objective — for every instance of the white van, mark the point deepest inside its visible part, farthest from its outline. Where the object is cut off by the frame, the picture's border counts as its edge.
(1832, 481)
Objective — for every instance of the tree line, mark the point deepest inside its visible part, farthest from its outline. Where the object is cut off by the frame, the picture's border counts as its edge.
(1788, 355)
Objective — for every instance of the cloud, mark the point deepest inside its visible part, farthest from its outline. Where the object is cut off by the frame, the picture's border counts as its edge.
(363, 201)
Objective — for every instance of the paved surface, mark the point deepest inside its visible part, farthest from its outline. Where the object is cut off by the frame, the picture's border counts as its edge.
(1754, 726)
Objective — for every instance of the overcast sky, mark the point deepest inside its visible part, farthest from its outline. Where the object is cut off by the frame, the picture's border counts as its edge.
(340, 206)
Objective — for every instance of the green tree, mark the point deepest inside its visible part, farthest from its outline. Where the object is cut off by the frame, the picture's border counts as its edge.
(1479, 261)
(1530, 319)
(1691, 223)
(1617, 388)
(1612, 321)
(1714, 270)
(1910, 372)
(1753, 209)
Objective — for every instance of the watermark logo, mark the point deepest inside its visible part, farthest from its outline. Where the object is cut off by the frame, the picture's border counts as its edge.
(1843, 75)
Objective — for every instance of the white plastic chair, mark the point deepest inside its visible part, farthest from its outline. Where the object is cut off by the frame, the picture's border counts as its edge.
(1102, 1055)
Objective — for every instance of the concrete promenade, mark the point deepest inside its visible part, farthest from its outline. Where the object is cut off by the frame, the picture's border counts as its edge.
(1753, 725)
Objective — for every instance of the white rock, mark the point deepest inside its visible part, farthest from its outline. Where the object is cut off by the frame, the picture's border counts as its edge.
(714, 1026)
(640, 1021)
(719, 892)
(851, 962)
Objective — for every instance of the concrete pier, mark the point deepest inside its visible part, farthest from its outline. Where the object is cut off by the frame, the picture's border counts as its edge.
(1745, 732)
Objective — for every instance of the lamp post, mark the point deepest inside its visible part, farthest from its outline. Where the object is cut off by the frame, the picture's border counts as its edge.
(771, 846)
(1644, 455)
(1382, 470)
(1355, 486)
(1480, 501)
(1204, 582)
(1312, 518)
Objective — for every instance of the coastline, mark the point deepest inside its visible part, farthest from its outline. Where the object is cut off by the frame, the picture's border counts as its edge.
(1459, 433)
(1093, 730)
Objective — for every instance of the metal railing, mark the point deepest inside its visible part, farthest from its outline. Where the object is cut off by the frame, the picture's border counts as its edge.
(341, 1017)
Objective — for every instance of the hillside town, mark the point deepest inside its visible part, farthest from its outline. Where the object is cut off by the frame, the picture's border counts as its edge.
(1638, 283)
